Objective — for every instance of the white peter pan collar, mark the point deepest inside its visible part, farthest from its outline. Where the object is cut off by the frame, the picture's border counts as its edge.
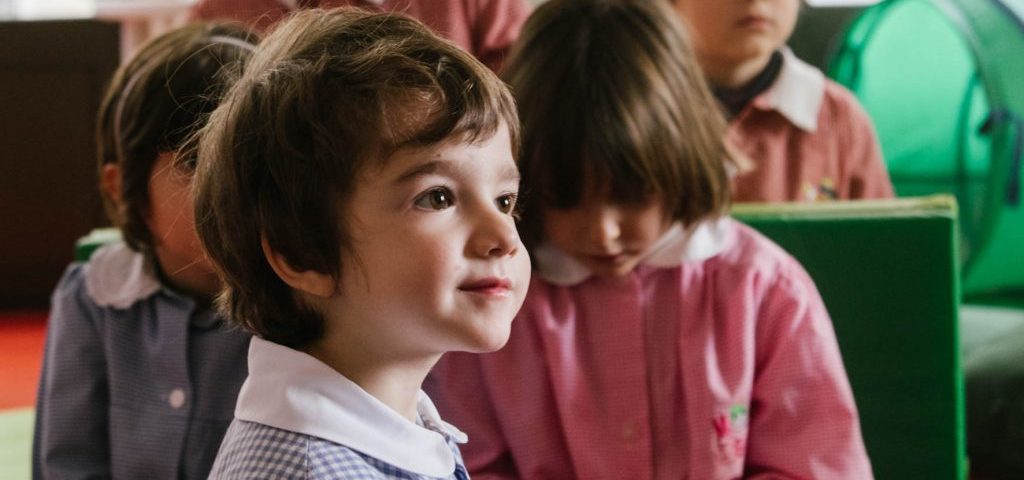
(677, 246)
(294, 391)
(797, 93)
(118, 276)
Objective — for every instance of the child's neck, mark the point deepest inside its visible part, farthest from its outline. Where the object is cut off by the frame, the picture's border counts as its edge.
(731, 75)
(395, 382)
(201, 286)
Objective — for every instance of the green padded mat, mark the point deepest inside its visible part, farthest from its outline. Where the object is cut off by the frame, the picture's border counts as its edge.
(16, 443)
(888, 273)
(943, 81)
(993, 363)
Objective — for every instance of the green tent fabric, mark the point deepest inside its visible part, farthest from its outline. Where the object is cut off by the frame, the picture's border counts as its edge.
(888, 273)
(943, 81)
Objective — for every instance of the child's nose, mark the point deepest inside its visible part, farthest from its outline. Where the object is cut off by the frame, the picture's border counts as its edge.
(495, 236)
(604, 229)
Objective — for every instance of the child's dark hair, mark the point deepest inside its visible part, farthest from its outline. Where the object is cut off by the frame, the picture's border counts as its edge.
(155, 103)
(611, 97)
(329, 93)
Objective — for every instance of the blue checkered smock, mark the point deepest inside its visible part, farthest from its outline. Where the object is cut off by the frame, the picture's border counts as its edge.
(140, 392)
(256, 451)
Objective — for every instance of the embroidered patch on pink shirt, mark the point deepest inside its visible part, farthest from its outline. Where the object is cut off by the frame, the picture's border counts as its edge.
(731, 431)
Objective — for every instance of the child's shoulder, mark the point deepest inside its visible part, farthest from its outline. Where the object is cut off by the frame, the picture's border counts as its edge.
(748, 252)
(113, 280)
(115, 276)
(841, 105)
(255, 450)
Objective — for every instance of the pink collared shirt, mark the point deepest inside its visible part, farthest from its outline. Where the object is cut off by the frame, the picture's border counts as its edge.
(485, 28)
(808, 139)
(719, 364)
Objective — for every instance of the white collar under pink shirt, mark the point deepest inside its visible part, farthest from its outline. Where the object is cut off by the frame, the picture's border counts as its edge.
(291, 390)
(796, 94)
(676, 246)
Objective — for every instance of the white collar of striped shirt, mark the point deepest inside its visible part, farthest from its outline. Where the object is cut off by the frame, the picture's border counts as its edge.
(118, 276)
(291, 390)
(677, 246)
(797, 93)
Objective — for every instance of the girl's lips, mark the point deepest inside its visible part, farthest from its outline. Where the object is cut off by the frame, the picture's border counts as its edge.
(487, 286)
(609, 259)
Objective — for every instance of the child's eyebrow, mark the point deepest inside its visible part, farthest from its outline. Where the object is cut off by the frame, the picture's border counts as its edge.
(428, 168)
(510, 173)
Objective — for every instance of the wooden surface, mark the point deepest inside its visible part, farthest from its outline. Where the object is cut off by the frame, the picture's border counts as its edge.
(52, 75)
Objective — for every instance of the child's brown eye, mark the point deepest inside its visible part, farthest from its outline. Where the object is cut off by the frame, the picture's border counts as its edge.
(506, 203)
(436, 199)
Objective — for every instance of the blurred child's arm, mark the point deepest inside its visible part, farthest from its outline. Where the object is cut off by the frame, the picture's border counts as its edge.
(260, 14)
(495, 28)
(803, 420)
(858, 142)
(70, 439)
(458, 387)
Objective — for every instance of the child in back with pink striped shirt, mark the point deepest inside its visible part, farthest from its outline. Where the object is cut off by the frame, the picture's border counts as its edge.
(659, 337)
(807, 136)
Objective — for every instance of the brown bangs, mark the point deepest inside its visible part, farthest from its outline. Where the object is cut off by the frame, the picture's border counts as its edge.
(611, 97)
(329, 93)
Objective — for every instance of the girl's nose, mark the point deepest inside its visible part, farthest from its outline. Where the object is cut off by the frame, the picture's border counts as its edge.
(604, 229)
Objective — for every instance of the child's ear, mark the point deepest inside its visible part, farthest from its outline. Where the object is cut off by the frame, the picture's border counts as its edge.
(309, 281)
(110, 182)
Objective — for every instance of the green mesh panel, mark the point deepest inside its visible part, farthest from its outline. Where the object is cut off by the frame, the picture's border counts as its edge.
(943, 81)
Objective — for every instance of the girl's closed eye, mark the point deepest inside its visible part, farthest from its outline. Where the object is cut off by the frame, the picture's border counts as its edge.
(437, 198)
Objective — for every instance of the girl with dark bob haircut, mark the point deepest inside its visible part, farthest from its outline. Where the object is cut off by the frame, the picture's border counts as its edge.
(659, 337)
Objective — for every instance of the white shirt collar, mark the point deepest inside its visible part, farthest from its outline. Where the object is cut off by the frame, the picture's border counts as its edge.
(677, 246)
(291, 390)
(797, 93)
(118, 276)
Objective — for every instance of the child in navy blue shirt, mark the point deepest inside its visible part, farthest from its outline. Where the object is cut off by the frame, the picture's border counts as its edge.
(140, 375)
(356, 191)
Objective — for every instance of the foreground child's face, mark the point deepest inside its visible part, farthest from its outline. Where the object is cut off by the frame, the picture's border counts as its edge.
(610, 239)
(737, 31)
(437, 264)
(174, 233)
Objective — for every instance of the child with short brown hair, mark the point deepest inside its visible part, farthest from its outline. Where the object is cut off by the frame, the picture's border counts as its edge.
(356, 192)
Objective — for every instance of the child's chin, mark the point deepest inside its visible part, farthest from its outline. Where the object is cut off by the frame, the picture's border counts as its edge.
(489, 341)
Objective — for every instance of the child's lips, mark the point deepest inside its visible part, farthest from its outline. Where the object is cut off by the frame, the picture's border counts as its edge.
(755, 22)
(608, 259)
(491, 286)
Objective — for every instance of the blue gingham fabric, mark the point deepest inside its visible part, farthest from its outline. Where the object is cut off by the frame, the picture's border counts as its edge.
(142, 390)
(256, 451)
